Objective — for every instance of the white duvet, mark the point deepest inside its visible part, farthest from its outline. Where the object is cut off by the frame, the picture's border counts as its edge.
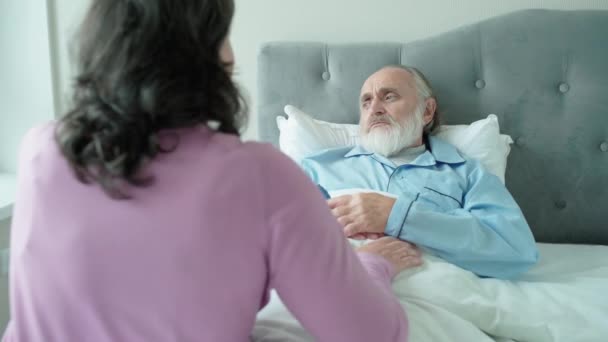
(562, 299)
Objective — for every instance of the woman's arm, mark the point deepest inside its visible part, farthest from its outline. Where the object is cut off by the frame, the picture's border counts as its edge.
(336, 295)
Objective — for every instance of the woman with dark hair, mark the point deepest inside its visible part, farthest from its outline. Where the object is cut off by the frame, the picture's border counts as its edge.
(141, 216)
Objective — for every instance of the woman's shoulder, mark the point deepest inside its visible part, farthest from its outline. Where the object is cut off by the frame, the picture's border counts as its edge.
(261, 153)
(37, 138)
(41, 131)
(271, 159)
(267, 164)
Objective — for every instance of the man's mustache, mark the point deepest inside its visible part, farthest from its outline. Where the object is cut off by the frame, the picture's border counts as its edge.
(380, 119)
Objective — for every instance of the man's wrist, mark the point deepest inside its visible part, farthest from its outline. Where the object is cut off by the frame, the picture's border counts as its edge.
(398, 215)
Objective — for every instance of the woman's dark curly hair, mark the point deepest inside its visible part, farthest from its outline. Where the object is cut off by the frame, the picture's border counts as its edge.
(145, 66)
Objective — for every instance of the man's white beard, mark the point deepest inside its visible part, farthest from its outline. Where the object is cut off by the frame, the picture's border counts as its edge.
(388, 140)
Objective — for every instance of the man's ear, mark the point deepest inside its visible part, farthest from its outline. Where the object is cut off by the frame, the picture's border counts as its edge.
(429, 112)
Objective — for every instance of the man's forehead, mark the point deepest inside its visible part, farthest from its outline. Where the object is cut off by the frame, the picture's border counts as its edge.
(387, 78)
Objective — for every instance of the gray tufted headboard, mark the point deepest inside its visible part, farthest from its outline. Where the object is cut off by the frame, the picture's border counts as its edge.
(543, 72)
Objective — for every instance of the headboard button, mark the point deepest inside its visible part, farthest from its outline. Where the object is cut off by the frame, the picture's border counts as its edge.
(521, 141)
(326, 76)
(561, 204)
(564, 87)
(604, 146)
(480, 84)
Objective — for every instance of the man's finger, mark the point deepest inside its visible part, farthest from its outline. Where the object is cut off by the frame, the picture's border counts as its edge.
(337, 201)
(407, 251)
(352, 229)
(404, 244)
(340, 211)
(386, 239)
(374, 236)
(345, 220)
(358, 237)
(411, 262)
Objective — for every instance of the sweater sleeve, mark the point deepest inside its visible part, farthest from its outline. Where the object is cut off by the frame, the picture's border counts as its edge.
(334, 293)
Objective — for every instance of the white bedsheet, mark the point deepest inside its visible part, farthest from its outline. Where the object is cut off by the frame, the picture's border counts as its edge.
(562, 299)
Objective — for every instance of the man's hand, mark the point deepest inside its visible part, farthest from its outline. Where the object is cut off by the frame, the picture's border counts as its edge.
(362, 213)
(402, 255)
(366, 236)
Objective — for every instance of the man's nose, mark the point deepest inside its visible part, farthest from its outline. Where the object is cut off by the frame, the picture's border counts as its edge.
(377, 108)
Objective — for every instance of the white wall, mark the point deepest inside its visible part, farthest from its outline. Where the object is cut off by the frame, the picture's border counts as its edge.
(26, 95)
(66, 16)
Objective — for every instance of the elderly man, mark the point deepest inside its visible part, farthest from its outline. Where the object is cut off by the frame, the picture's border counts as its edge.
(445, 203)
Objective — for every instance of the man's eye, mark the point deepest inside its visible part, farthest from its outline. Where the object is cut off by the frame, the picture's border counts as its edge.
(390, 97)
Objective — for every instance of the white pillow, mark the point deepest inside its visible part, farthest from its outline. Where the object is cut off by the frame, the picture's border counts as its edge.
(301, 135)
